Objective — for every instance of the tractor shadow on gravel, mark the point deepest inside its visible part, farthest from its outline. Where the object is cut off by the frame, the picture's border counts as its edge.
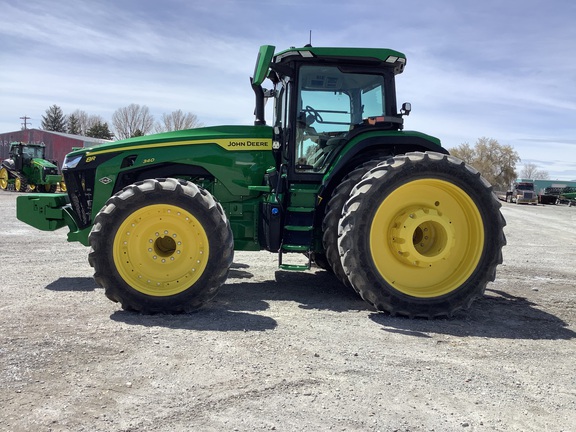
(206, 319)
(236, 306)
(80, 284)
(497, 315)
(312, 290)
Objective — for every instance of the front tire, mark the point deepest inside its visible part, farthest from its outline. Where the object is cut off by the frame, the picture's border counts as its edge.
(421, 235)
(48, 188)
(20, 184)
(162, 245)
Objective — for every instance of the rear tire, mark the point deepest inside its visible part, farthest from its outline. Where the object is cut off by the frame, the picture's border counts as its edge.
(161, 245)
(334, 213)
(320, 260)
(421, 235)
(4, 177)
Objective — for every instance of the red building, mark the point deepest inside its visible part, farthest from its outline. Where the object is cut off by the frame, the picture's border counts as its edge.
(57, 144)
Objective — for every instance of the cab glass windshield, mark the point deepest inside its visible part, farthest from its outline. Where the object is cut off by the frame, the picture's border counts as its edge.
(330, 103)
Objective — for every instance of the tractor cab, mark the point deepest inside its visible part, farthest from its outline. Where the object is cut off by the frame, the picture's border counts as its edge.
(23, 154)
(324, 97)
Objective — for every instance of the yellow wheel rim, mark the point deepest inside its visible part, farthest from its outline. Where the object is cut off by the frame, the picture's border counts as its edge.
(17, 184)
(63, 187)
(4, 178)
(32, 187)
(161, 250)
(427, 238)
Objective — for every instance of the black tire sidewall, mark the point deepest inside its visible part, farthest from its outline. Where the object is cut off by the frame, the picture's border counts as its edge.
(208, 213)
(334, 213)
(366, 278)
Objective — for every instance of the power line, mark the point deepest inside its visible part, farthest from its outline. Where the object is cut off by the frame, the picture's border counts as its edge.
(25, 123)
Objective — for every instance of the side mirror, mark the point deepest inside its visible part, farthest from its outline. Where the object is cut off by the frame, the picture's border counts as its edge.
(263, 63)
(406, 108)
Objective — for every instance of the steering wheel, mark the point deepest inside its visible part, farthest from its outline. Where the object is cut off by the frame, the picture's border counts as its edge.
(317, 117)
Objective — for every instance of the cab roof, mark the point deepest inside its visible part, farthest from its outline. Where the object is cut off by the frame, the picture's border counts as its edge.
(374, 56)
(394, 58)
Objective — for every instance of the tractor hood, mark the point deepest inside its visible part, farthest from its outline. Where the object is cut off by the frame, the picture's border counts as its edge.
(233, 138)
(43, 163)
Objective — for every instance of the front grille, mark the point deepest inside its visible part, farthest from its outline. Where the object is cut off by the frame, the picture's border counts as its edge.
(80, 186)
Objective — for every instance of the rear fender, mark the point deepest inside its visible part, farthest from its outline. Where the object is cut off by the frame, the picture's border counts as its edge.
(374, 146)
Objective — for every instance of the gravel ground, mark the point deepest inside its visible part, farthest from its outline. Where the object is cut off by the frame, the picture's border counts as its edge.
(287, 351)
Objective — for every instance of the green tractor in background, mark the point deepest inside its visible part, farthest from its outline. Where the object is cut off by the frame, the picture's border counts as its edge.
(335, 180)
(27, 168)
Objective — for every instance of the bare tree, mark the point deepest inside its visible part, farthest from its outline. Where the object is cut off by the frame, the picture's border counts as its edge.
(531, 171)
(81, 118)
(496, 162)
(133, 119)
(177, 120)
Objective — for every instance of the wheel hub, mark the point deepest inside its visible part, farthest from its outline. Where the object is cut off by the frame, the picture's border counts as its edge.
(161, 250)
(426, 237)
(164, 248)
(422, 236)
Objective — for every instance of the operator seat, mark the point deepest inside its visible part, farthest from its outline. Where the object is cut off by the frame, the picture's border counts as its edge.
(319, 158)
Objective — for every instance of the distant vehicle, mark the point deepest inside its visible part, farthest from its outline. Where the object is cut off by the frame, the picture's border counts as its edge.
(558, 194)
(27, 169)
(522, 192)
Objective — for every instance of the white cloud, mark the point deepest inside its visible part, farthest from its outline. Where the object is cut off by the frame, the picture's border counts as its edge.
(485, 69)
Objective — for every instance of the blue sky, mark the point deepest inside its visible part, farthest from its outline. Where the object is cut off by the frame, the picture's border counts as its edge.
(499, 69)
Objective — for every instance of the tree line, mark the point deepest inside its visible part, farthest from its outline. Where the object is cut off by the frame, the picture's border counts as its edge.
(496, 162)
(133, 120)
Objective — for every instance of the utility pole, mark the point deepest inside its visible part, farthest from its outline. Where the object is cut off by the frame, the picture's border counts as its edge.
(25, 124)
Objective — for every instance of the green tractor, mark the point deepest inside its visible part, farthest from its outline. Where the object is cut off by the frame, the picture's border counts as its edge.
(335, 180)
(27, 168)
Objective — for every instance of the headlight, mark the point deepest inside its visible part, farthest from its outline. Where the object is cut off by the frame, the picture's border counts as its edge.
(72, 162)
